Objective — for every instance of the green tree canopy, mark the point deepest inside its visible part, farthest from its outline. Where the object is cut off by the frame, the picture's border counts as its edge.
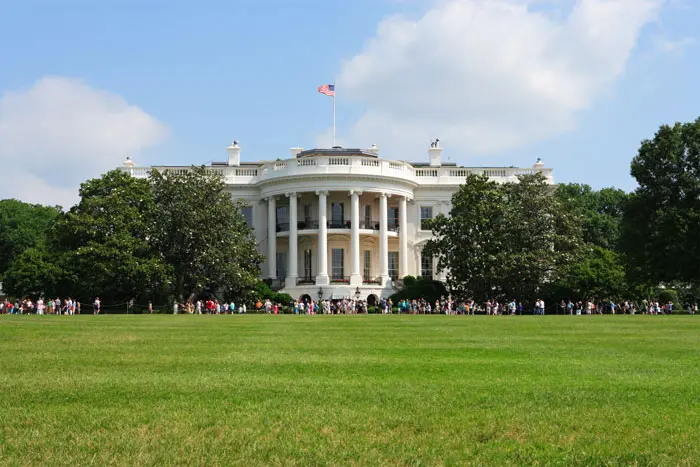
(504, 241)
(661, 224)
(600, 212)
(32, 273)
(102, 242)
(200, 232)
(22, 226)
(599, 273)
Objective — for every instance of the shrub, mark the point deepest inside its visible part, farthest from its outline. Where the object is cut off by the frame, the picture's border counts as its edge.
(669, 295)
(427, 289)
(409, 281)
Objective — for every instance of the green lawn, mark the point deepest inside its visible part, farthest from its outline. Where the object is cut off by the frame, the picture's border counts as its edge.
(360, 390)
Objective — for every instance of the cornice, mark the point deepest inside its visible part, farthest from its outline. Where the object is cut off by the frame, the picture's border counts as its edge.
(326, 177)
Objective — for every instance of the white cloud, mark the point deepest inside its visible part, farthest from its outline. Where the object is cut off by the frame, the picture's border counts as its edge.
(488, 75)
(60, 132)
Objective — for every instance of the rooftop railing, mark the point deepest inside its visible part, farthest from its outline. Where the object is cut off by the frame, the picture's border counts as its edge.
(335, 165)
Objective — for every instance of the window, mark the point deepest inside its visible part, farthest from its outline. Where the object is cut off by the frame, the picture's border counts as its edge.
(394, 265)
(337, 263)
(307, 265)
(247, 212)
(393, 218)
(282, 265)
(367, 269)
(426, 213)
(368, 217)
(426, 266)
(337, 215)
(282, 218)
(307, 214)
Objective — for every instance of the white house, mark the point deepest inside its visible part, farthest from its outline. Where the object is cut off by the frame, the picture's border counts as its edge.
(339, 222)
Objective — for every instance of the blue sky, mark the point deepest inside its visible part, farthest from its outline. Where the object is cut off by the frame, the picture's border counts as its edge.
(501, 82)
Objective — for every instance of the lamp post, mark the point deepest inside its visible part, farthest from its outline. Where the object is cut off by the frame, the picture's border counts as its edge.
(320, 293)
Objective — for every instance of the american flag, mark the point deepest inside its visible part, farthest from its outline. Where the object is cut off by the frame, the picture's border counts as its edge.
(327, 89)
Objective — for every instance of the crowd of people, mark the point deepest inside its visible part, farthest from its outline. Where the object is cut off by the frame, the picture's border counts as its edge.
(67, 306)
(444, 305)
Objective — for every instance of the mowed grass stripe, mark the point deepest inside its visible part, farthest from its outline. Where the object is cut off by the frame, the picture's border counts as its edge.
(363, 390)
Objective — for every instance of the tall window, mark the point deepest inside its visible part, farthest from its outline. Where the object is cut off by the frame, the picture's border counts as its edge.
(367, 269)
(307, 265)
(393, 218)
(337, 215)
(247, 212)
(426, 266)
(394, 265)
(426, 213)
(282, 218)
(282, 265)
(307, 215)
(337, 263)
(368, 217)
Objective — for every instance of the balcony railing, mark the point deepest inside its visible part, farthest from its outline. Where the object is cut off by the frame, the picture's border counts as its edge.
(371, 280)
(340, 279)
(369, 225)
(301, 225)
(307, 225)
(313, 225)
(306, 281)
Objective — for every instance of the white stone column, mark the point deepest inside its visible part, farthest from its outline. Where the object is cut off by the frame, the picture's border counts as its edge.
(322, 273)
(291, 279)
(403, 237)
(383, 240)
(355, 276)
(272, 237)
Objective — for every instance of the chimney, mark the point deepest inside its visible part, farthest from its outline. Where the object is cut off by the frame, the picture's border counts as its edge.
(295, 152)
(234, 154)
(435, 152)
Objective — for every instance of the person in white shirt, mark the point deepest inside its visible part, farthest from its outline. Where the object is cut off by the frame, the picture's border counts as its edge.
(40, 306)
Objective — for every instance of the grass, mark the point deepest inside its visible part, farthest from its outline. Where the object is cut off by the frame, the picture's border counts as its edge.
(359, 390)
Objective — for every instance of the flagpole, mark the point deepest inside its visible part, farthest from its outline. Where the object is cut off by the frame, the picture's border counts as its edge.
(334, 113)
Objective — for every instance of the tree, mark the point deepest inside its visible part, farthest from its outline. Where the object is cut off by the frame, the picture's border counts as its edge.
(200, 232)
(504, 241)
(22, 226)
(599, 273)
(661, 223)
(468, 241)
(102, 243)
(600, 212)
(32, 273)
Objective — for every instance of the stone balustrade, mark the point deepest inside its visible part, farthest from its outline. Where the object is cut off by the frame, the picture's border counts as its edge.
(342, 165)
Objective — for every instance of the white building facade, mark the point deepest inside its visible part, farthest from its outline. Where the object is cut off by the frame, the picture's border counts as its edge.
(337, 223)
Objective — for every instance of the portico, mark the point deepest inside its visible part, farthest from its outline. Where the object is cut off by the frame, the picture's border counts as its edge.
(358, 238)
